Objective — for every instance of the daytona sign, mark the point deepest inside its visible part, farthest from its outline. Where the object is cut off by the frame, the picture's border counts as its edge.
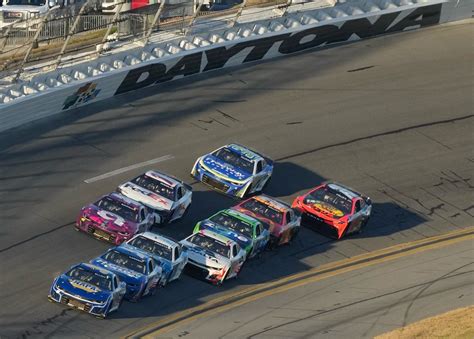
(277, 45)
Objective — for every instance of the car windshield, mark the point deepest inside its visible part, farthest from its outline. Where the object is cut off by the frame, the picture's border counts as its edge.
(326, 196)
(263, 210)
(119, 208)
(234, 224)
(210, 244)
(155, 186)
(232, 158)
(27, 2)
(126, 261)
(151, 246)
(102, 281)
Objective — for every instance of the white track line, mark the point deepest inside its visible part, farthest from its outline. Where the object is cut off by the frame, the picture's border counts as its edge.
(128, 168)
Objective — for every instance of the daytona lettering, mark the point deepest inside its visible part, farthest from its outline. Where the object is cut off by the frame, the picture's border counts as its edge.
(253, 50)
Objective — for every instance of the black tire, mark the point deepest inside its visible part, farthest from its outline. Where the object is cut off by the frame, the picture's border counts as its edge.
(362, 226)
(294, 233)
(272, 243)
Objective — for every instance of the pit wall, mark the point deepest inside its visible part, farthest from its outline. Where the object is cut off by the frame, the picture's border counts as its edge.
(82, 84)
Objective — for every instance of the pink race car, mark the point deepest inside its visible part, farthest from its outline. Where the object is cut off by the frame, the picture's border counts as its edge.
(114, 218)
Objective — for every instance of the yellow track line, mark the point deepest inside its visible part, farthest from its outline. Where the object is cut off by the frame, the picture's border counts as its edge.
(246, 295)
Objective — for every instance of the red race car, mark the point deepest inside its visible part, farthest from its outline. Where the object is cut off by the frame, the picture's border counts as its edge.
(334, 210)
(283, 223)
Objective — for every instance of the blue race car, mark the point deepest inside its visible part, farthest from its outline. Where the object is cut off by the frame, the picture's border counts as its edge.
(88, 288)
(166, 252)
(234, 170)
(137, 270)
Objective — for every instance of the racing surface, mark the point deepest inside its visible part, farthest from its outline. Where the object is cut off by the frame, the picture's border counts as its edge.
(361, 304)
(391, 117)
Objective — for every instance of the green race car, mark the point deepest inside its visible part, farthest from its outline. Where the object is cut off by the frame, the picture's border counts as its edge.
(248, 232)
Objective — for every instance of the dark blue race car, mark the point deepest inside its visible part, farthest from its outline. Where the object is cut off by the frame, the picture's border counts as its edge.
(166, 252)
(234, 170)
(89, 288)
(137, 270)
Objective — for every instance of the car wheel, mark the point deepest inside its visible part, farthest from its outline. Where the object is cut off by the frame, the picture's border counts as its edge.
(362, 226)
(238, 273)
(294, 233)
(272, 243)
(265, 185)
(153, 291)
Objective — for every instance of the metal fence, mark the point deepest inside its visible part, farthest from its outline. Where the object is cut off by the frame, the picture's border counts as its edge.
(57, 29)
(48, 41)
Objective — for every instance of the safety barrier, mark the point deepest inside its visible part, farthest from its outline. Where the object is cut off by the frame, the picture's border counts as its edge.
(72, 87)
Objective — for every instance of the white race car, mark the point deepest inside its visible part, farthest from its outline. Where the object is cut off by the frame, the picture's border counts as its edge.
(166, 196)
(213, 257)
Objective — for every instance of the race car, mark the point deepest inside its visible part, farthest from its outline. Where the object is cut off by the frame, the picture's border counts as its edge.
(248, 232)
(166, 196)
(335, 210)
(166, 252)
(234, 170)
(139, 272)
(88, 288)
(283, 223)
(213, 257)
(114, 218)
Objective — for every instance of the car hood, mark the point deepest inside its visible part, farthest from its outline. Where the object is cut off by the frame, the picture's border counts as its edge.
(125, 274)
(220, 168)
(324, 209)
(205, 257)
(109, 220)
(82, 289)
(145, 196)
(243, 241)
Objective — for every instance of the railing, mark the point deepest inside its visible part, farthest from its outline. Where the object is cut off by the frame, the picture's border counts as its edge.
(55, 39)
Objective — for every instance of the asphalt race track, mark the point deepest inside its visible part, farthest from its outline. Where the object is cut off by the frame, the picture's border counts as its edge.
(391, 117)
(359, 304)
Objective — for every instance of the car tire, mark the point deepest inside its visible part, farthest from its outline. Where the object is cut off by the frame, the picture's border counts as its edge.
(362, 226)
(272, 243)
(265, 185)
(294, 233)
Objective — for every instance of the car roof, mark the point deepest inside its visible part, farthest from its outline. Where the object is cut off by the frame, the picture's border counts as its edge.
(244, 151)
(346, 191)
(240, 215)
(159, 238)
(129, 251)
(125, 200)
(272, 202)
(95, 268)
(165, 179)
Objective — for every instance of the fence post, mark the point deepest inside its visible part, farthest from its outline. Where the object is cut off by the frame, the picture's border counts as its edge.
(196, 13)
(288, 4)
(5, 36)
(70, 33)
(100, 47)
(239, 13)
(153, 23)
(33, 43)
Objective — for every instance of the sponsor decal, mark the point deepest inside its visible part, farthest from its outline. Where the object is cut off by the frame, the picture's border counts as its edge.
(84, 94)
(119, 221)
(147, 193)
(225, 169)
(84, 286)
(287, 43)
